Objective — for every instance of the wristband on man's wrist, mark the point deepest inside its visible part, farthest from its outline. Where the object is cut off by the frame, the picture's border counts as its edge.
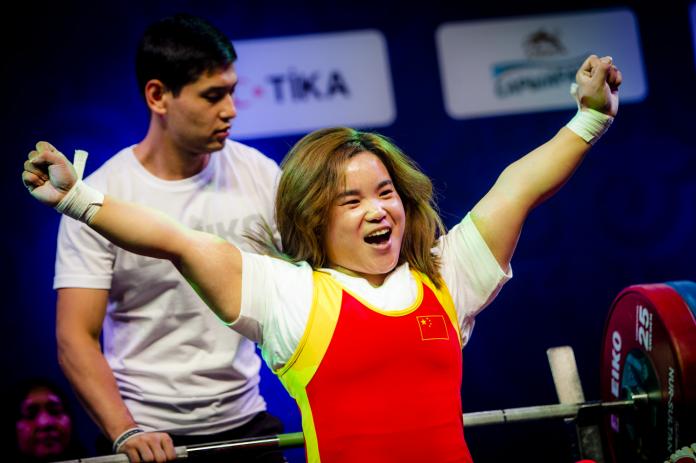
(124, 437)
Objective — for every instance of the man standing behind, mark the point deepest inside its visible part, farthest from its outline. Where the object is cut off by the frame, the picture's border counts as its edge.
(168, 366)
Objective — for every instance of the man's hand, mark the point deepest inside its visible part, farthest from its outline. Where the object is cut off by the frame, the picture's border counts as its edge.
(598, 85)
(149, 446)
(48, 174)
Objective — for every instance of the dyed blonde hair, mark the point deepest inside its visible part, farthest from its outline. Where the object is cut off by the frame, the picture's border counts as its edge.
(312, 178)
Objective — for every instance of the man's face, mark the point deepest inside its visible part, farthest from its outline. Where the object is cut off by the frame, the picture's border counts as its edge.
(366, 221)
(198, 120)
(43, 429)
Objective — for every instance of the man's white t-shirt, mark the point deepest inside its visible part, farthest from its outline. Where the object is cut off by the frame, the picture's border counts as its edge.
(178, 368)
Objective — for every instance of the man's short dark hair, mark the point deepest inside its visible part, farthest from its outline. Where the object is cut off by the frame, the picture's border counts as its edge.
(177, 50)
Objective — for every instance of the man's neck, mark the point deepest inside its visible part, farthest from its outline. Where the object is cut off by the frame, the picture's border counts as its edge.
(163, 159)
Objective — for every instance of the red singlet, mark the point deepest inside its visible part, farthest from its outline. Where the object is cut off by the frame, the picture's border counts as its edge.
(379, 387)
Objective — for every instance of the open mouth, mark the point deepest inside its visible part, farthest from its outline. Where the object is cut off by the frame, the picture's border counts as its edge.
(378, 237)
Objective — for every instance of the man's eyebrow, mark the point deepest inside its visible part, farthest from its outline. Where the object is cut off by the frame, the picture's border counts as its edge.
(219, 88)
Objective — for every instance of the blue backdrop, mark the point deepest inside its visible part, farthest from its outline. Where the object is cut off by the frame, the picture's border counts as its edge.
(626, 217)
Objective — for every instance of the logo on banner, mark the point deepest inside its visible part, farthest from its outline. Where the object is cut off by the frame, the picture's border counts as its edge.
(547, 66)
(526, 64)
(293, 85)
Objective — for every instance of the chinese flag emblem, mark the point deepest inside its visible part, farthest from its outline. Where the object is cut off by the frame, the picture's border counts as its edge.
(432, 327)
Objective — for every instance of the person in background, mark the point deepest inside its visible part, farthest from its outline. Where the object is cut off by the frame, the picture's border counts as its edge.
(168, 372)
(43, 423)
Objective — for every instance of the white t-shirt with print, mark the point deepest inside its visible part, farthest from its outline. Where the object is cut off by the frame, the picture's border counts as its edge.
(178, 368)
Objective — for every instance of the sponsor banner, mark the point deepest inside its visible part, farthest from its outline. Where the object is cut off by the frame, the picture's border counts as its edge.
(292, 85)
(527, 64)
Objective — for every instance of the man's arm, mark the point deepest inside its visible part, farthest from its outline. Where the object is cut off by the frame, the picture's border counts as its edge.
(534, 178)
(79, 316)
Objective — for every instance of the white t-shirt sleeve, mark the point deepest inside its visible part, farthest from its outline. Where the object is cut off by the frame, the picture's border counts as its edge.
(471, 272)
(261, 176)
(276, 300)
(269, 172)
(84, 259)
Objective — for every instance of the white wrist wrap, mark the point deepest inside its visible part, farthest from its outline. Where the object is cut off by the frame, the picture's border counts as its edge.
(79, 161)
(590, 125)
(82, 201)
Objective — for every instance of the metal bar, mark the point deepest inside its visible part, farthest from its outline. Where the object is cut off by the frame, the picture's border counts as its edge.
(296, 439)
(115, 458)
(538, 412)
(566, 377)
(520, 414)
(585, 438)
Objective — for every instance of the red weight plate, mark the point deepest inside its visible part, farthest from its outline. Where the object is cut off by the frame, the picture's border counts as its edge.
(649, 346)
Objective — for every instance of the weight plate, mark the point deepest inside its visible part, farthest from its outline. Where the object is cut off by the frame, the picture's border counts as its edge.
(649, 346)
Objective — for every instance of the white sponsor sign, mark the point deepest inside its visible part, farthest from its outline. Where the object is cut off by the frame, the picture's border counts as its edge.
(527, 64)
(293, 85)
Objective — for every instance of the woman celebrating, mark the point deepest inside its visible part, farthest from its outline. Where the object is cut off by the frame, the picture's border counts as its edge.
(364, 313)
